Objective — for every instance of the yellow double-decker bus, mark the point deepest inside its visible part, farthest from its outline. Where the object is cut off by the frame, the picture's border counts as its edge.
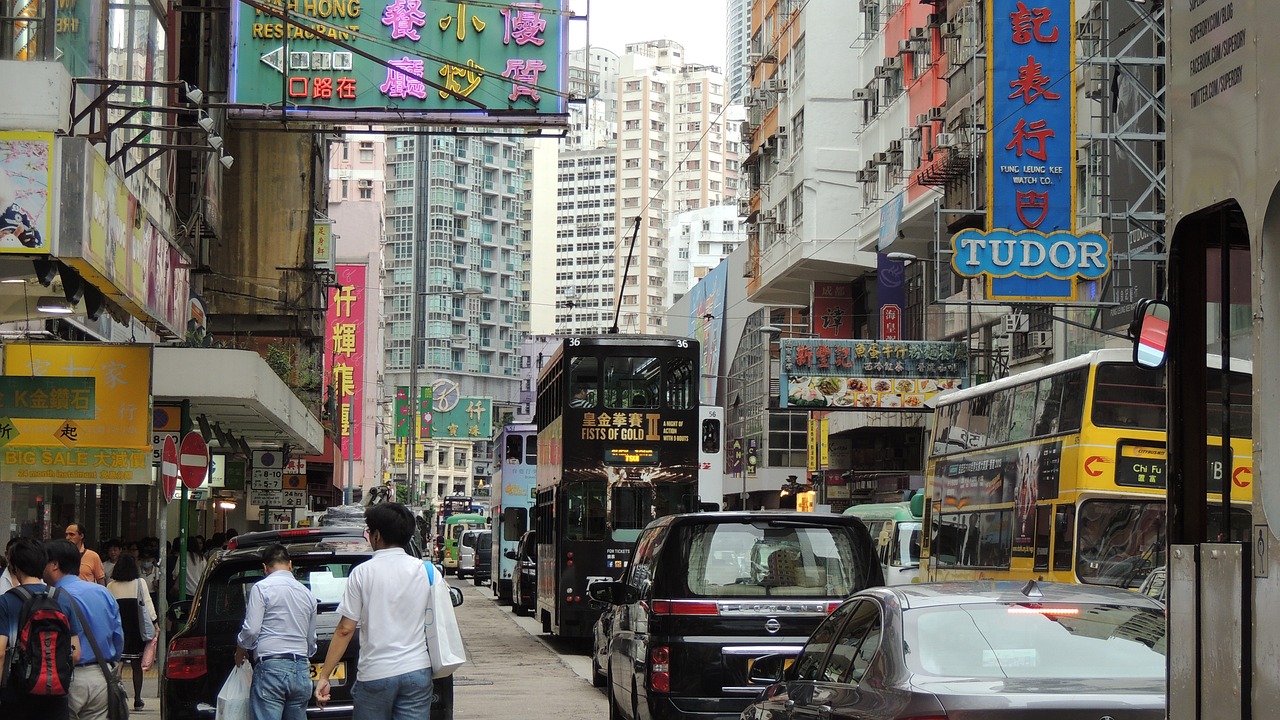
(1059, 472)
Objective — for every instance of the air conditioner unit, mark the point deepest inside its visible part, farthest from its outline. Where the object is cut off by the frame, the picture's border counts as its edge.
(944, 140)
(782, 131)
(1015, 322)
(951, 30)
(910, 133)
(779, 84)
(936, 19)
(906, 46)
(936, 113)
(770, 85)
(753, 58)
(893, 63)
(866, 176)
(922, 119)
(919, 33)
(883, 72)
(779, 227)
(881, 158)
(895, 147)
(863, 94)
(1040, 340)
(867, 5)
(744, 207)
(768, 215)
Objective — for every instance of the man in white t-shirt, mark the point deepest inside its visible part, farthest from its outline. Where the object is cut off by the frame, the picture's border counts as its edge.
(387, 598)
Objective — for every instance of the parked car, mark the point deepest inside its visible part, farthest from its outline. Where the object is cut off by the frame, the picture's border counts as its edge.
(467, 552)
(200, 655)
(976, 650)
(483, 565)
(524, 581)
(707, 593)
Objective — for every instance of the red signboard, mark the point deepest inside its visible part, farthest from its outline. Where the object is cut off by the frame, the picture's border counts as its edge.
(193, 460)
(344, 352)
(890, 322)
(169, 468)
(832, 314)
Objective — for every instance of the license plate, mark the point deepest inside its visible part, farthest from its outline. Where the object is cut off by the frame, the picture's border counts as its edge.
(339, 676)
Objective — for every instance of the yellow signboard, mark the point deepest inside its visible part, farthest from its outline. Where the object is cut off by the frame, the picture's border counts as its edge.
(819, 455)
(112, 447)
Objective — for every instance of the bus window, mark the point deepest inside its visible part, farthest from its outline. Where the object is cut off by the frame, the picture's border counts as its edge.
(1042, 539)
(682, 386)
(1001, 417)
(976, 539)
(1119, 541)
(531, 450)
(515, 447)
(585, 510)
(1241, 404)
(1022, 412)
(1064, 523)
(1127, 396)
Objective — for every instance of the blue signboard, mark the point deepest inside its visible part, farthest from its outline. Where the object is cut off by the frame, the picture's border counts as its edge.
(1030, 250)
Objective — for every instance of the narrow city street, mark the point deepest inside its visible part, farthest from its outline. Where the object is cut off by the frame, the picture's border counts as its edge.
(515, 671)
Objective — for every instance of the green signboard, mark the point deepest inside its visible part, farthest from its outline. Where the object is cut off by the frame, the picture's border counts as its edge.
(424, 60)
(471, 418)
(50, 398)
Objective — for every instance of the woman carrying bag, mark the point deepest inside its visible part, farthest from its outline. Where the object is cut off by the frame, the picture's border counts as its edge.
(137, 615)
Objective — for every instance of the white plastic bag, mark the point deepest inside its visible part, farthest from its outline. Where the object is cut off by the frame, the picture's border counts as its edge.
(233, 698)
(444, 639)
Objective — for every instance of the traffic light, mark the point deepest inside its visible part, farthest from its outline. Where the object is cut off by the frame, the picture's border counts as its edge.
(710, 436)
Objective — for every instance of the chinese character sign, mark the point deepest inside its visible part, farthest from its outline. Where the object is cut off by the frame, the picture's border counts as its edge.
(832, 314)
(431, 57)
(100, 436)
(470, 419)
(1030, 250)
(868, 374)
(344, 353)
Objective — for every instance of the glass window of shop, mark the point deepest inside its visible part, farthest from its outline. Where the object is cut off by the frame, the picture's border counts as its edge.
(44, 510)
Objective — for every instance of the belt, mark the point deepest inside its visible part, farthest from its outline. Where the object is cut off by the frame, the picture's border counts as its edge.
(283, 656)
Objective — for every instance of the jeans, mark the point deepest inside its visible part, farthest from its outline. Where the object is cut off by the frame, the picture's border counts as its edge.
(281, 689)
(399, 697)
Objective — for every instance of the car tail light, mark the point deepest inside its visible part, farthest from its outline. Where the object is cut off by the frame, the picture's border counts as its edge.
(186, 659)
(232, 543)
(1036, 610)
(831, 606)
(684, 607)
(660, 669)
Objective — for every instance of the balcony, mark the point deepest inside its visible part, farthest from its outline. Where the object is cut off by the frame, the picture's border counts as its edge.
(487, 264)
(488, 212)
(488, 184)
(486, 316)
(486, 238)
(489, 159)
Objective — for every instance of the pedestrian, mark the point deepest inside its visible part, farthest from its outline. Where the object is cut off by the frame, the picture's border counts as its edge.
(387, 598)
(112, 548)
(101, 616)
(7, 579)
(149, 570)
(195, 567)
(280, 631)
(27, 561)
(137, 617)
(91, 569)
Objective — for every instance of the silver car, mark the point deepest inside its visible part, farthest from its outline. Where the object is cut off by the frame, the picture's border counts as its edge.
(969, 650)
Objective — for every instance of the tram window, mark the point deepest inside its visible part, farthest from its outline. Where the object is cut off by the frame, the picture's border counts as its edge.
(631, 507)
(515, 521)
(531, 450)
(584, 505)
(1064, 524)
(632, 382)
(584, 378)
(682, 386)
(515, 446)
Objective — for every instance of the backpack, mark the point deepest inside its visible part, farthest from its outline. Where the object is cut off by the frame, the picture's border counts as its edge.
(40, 659)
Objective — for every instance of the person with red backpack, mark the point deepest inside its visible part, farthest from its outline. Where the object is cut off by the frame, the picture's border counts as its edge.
(38, 640)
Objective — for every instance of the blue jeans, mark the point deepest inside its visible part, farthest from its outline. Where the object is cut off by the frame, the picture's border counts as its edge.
(399, 697)
(281, 689)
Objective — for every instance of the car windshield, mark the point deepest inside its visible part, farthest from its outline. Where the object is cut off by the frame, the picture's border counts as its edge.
(763, 559)
(226, 593)
(999, 640)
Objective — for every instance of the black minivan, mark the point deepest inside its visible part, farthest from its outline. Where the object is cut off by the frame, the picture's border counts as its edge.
(706, 594)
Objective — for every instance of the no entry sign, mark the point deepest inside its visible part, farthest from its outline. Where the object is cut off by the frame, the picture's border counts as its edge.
(193, 460)
(169, 467)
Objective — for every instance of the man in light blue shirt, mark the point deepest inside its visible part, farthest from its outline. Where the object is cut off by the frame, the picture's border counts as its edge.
(101, 616)
(280, 630)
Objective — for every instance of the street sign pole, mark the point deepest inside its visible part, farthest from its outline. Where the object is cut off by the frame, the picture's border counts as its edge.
(193, 465)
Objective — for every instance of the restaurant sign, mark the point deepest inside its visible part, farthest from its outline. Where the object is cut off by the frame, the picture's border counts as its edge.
(868, 374)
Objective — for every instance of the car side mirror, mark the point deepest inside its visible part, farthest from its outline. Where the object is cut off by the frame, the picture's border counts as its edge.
(179, 611)
(767, 670)
(455, 596)
(604, 594)
(1150, 332)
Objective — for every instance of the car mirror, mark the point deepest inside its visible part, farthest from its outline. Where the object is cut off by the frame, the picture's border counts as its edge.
(605, 593)
(179, 611)
(455, 596)
(1150, 333)
(767, 670)
(511, 555)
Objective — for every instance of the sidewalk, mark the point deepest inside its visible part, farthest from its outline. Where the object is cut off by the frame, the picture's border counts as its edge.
(150, 693)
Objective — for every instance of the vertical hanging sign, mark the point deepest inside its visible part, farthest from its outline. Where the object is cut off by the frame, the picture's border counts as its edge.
(344, 356)
(1030, 250)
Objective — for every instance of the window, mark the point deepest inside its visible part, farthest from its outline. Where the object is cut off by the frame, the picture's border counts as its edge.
(973, 539)
(854, 647)
(632, 382)
(681, 384)
(754, 559)
(585, 511)
(345, 187)
(809, 663)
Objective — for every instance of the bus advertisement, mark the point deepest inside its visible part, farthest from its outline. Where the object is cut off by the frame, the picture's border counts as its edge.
(1059, 472)
(513, 494)
(618, 441)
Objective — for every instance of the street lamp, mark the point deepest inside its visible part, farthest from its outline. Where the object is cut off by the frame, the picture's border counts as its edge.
(415, 359)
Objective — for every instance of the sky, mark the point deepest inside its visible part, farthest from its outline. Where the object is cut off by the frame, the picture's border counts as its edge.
(698, 25)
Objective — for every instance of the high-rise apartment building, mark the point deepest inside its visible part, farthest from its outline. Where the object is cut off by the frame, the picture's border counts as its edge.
(699, 240)
(673, 154)
(586, 220)
(593, 79)
(737, 41)
(455, 233)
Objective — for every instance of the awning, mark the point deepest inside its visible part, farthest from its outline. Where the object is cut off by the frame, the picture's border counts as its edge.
(237, 390)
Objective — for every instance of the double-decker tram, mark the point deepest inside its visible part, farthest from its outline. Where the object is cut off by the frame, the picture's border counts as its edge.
(511, 509)
(1059, 472)
(618, 443)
